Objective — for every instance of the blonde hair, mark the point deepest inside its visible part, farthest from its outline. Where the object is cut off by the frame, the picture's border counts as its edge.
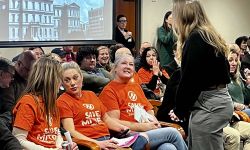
(189, 15)
(236, 76)
(71, 65)
(102, 47)
(53, 56)
(44, 80)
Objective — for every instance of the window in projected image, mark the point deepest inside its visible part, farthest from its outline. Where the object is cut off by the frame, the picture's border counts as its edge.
(52, 20)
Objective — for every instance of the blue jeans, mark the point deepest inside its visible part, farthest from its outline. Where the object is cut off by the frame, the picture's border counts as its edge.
(139, 144)
(166, 139)
(247, 111)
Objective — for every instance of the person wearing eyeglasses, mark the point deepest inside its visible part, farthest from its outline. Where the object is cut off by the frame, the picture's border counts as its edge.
(7, 140)
(122, 35)
(10, 95)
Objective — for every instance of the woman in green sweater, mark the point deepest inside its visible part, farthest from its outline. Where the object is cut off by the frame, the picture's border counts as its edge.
(166, 40)
(239, 92)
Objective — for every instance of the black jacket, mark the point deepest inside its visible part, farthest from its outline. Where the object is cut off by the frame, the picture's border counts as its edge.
(119, 38)
(201, 68)
(7, 140)
(9, 96)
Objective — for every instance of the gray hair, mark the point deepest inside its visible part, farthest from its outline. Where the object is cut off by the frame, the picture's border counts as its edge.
(119, 58)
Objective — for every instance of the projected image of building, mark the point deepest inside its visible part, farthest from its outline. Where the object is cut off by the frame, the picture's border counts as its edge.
(4, 14)
(97, 22)
(67, 21)
(31, 20)
(40, 20)
(53, 20)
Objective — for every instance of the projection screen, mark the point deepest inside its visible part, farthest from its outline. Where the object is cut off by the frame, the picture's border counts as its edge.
(46, 21)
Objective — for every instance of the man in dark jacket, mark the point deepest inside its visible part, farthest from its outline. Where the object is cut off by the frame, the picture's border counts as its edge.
(10, 95)
(122, 35)
(7, 140)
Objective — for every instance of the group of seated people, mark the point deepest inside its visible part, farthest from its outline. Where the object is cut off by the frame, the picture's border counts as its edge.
(99, 90)
(38, 111)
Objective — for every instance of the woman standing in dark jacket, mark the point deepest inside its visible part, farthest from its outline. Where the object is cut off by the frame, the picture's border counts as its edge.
(204, 75)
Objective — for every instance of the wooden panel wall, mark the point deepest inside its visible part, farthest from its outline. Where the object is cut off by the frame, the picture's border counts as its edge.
(127, 8)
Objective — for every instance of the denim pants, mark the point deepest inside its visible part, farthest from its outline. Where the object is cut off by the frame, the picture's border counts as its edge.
(166, 139)
(247, 111)
(211, 113)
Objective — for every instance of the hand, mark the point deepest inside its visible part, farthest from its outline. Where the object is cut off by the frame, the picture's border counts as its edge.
(108, 144)
(156, 122)
(123, 128)
(173, 116)
(73, 146)
(239, 106)
(156, 67)
(127, 35)
(248, 80)
(149, 126)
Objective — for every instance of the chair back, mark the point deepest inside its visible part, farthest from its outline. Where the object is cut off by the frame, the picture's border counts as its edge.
(243, 116)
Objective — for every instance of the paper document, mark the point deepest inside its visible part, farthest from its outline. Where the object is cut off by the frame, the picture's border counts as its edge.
(140, 115)
(126, 142)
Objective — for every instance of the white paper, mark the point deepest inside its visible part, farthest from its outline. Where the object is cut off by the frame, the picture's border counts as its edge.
(126, 142)
(140, 115)
(68, 137)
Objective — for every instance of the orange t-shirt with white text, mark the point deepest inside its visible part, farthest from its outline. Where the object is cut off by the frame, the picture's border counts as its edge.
(86, 112)
(29, 116)
(123, 97)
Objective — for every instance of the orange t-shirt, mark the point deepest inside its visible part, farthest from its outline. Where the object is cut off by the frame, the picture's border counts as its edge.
(29, 116)
(136, 78)
(87, 113)
(123, 97)
(146, 75)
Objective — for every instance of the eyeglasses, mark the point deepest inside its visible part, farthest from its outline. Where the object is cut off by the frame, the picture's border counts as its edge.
(123, 21)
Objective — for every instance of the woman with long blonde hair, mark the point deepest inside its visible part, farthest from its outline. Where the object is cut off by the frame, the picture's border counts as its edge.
(36, 117)
(204, 75)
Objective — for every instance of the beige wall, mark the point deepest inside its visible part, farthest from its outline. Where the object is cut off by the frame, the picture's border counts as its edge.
(230, 17)
(12, 52)
(152, 15)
